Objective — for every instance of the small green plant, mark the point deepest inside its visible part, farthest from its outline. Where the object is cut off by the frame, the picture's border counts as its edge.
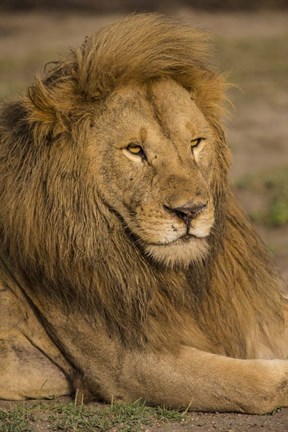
(273, 187)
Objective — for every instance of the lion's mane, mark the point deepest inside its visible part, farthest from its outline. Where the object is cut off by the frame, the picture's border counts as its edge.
(63, 240)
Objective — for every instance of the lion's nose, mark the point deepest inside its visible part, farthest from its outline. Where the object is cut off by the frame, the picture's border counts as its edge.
(187, 212)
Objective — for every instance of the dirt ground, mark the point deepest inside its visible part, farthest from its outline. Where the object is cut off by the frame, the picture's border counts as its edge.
(253, 48)
(206, 422)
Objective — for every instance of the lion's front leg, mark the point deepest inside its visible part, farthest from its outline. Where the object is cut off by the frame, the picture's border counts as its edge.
(189, 379)
(205, 382)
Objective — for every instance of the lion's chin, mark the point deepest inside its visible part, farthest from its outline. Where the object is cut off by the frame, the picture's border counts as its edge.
(180, 253)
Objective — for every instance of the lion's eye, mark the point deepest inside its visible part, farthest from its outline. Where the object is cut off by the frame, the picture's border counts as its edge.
(195, 142)
(136, 149)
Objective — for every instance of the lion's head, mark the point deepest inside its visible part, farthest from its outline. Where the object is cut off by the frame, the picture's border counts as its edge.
(152, 154)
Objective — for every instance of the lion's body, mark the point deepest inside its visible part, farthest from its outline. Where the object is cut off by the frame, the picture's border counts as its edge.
(127, 268)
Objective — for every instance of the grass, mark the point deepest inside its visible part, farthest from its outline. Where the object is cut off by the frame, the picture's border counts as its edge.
(85, 418)
(15, 420)
(273, 187)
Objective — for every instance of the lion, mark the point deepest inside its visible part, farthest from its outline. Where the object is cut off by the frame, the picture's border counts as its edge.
(128, 269)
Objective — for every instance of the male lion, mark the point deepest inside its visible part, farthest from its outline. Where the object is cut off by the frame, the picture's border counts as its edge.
(128, 269)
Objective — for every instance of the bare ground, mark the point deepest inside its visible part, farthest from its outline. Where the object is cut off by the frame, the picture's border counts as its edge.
(253, 47)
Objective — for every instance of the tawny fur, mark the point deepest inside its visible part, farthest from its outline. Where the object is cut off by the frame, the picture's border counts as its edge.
(69, 247)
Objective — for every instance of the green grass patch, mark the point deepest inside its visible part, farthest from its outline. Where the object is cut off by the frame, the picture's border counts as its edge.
(55, 417)
(273, 186)
(16, 420)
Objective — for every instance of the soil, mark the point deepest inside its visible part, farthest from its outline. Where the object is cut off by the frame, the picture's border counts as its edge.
(257, 131)
(206, 422)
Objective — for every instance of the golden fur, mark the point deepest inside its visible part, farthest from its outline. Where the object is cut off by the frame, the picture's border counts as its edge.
(75, 250)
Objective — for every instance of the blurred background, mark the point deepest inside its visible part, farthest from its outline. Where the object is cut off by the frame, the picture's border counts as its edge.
(251, 45)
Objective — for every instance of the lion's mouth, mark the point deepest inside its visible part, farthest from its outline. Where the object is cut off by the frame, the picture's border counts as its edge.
(185, 238)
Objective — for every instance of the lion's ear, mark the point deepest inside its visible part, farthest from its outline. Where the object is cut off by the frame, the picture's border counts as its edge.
(48, 105)
(51, 101)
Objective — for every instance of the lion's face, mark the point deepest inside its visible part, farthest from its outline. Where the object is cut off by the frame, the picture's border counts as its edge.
(152, 157)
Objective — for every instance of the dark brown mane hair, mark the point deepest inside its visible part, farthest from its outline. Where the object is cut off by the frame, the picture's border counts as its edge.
(55, 230)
